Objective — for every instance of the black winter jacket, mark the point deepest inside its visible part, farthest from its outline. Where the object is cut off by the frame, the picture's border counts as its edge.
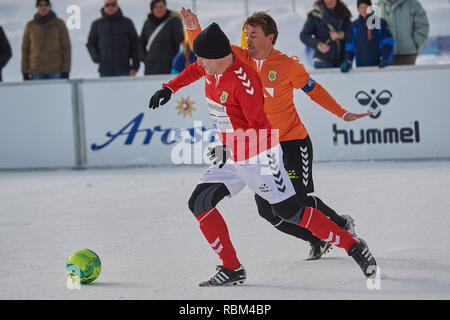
(113, 42)
(166, 44)
(317, 29)
(5, 51)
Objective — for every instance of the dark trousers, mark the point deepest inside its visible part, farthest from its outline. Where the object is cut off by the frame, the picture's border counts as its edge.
(403, 59)
(46, 76)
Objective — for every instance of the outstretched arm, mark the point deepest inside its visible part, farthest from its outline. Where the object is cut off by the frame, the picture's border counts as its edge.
(320, 95)
(349, 116)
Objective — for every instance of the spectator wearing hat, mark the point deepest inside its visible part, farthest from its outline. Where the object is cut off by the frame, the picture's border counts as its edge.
(324, 31)
(368, 43)
(5, 51)
(160, 38)
(409, 25)
(46, 48)
(113, 42)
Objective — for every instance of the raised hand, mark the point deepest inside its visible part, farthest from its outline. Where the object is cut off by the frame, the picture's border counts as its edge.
(189, 18)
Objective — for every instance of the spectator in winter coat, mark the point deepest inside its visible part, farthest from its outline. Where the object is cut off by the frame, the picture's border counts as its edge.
(160, 38)
(409, 25)
(372, 46)
(46, 49)
(5, 51)
(113, 42)
(324, 31)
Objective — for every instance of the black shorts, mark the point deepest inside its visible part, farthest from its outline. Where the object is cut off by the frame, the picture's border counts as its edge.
(298, 158)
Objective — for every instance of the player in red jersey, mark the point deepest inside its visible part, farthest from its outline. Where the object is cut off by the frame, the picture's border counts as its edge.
(280, 75)
(236, 104)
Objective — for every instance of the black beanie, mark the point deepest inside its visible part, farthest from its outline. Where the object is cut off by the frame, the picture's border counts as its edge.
(39, 1)
(368, 2)
(212, 43)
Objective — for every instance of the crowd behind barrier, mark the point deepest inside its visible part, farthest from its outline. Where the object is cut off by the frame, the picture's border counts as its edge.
(393, 34)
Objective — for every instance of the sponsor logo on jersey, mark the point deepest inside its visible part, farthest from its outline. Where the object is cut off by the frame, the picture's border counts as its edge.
(185, 106)
(272, 75)
(224, 97)
(264, 188)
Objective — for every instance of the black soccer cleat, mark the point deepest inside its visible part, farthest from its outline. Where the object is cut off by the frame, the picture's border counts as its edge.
(363, 257)
(225, 277)
(318, 249)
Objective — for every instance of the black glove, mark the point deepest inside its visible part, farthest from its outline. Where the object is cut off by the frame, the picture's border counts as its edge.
(26, 76)
(219, 154)
(64, 75)
(165, 94)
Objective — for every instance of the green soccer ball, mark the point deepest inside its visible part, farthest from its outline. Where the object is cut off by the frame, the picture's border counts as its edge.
(83, 266)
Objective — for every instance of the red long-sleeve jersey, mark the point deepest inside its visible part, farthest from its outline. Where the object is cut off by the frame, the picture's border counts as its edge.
(236, 106)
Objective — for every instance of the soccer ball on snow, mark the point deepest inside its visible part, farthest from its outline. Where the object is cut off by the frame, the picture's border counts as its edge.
(83, 266)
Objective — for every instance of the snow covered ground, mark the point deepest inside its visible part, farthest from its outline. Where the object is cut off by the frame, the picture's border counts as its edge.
(137, 220)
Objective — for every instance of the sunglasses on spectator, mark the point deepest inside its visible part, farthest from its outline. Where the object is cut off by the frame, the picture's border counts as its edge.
(110, 4)
(45, 4)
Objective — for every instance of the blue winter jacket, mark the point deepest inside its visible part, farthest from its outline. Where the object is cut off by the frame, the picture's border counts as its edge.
(369, 46)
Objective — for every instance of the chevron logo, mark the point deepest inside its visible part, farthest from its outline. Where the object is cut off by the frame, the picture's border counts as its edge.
(330, 237)
(274, 167)
(279, 182)
(243, 77)
(246, 84)
(282, 189)
(214, 245)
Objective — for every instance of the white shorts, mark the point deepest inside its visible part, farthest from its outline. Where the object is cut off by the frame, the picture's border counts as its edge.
(264, 174)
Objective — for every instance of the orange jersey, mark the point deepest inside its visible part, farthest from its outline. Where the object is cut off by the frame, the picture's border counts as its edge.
(280, 75)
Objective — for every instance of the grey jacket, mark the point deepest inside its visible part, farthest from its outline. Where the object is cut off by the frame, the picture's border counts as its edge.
(408, 23)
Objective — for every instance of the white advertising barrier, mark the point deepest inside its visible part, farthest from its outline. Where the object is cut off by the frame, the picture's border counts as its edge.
(106, 122)
(410, 120)
(121, 130)
(36, 125)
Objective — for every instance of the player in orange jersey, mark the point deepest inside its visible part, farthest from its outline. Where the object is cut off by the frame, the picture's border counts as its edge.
(280, 75)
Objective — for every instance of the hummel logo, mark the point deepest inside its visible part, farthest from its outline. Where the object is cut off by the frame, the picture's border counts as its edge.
(374, 102)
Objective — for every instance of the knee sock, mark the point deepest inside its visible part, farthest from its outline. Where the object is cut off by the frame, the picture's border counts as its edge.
(316, 202)
(216, 233)
(325, 229)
